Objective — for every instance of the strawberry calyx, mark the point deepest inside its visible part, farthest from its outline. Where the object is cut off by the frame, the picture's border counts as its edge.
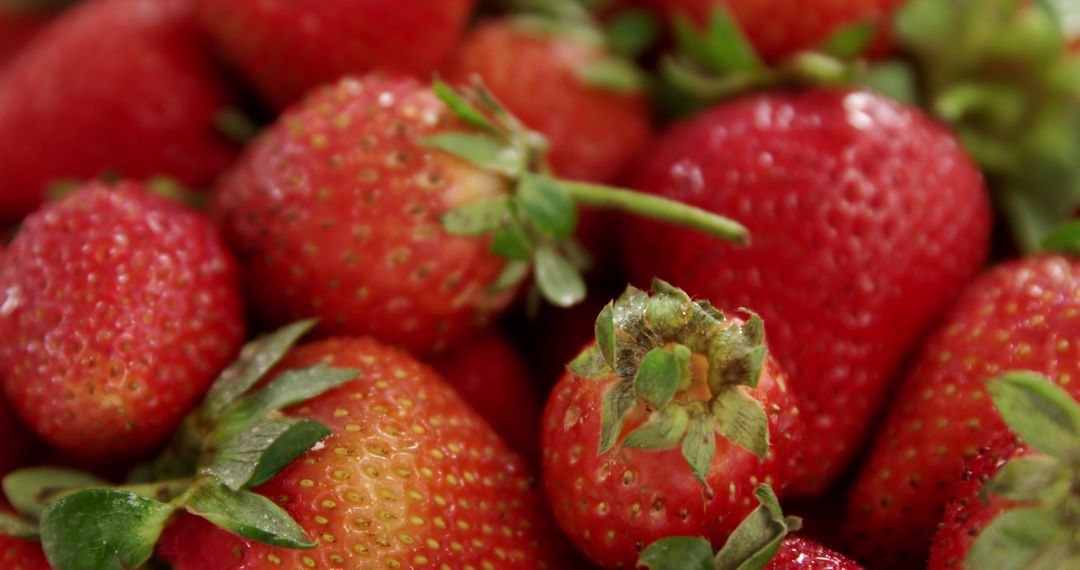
(686, 364)
(751, 546)
(533, 226)
(1002, 74)
(1039, 529)
(235, 441)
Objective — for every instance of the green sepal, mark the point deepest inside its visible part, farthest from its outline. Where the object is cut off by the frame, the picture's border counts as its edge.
(590, 363)
(604, 330)
(614, 74)
(741, 419)
(256, 359)
(1065, 239)
(236, 125)
(461, 107)
(617, 402)
(631, 32)
(628, 317)
(721, 47)
(33, 489)
(737, 354)
(102, 529)
(172, 189)
(18, 527)
(895, 79)
(1038, 479)
(658, 377)
(543, 202)
(483, 150)
(678, 553)
(755, 542)
(1018, 538)
(245, 514)
(1041, 413)
(511, 242)
(699, 447)
(252, 457)
(559, 281)
(851, 41)
(512, 275)
(476, 218)
(663, 431)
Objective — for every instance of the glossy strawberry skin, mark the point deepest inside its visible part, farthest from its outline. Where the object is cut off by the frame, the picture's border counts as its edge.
(411, 477)
(117, 309)
(114, 86)
(797, 553)
(16, 30)
(781, 28)
(1023, 315)
(335, 212)
(490, 374)
(287, 48)
(866, 219)
(613, 505)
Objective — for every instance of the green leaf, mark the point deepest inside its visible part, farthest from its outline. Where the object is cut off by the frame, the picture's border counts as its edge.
(33, 489)
(476, 218)
(546, 204)
(511, 242)
(614, 74)
(604, 330)
(559, 281)
(1041, 413)
(658, 376)
(756, 540)
(617, 402)
(482, 150)
(894, 79)
(246, 514)
(590, 364)
(461, 107)
(14, 525)
(851, 41)
(631, 32)
(1030, 479)
(1015, 538)
(699, 447)
(1065, 239)
(253, 456)
(721, 47)
(678, 553)
(256, 359)
(741, 419)
(102, 529)
(664, 430)
(511, 276)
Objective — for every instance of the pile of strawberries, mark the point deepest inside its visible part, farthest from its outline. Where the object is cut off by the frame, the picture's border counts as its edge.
(285, 283)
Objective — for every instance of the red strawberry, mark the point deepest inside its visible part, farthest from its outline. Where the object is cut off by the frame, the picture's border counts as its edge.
(866, 219)
(120, 86)
(117, 308)
(19, 445)
(1020, 315)
(287, 48)
(798, 553)
(410, 477)
(781, 28)
(18, 553)
(16, 30)
(613, 476)
(491, 376)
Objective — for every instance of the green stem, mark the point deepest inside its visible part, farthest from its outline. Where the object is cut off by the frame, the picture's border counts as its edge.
(163, 491)
(657, 208)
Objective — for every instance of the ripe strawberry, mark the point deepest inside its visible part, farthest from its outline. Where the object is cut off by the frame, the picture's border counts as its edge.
(798, 553)
(1020, 315)
(288, 48)
(866, 219)
(117, 308)
(489, 374)
(144, 104)
(779, 28)
(16, 30)
(614, 479)
(410, 477)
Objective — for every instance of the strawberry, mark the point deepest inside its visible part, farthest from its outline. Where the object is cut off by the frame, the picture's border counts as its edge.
(18, 553)
(143, 105)
(866, 219)
(489, 374)
(779, 28)
(665, 372)
(1020, 315)
(16, 30)
(760, 542)
(19, 445)
(117, 308)
(409, 477)
(370, 206)
(287, 48)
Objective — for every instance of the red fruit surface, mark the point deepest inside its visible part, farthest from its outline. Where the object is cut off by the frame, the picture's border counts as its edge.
(1023, 315)
(866, 218)
(615, 504)
(287, 47)
(335, 212)
(492, 377)
(967, 514)
(16, 30)
(781, 28)
(115, 86)
(117, 310)
(410, 478)
(798, 553)
(18, 444)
